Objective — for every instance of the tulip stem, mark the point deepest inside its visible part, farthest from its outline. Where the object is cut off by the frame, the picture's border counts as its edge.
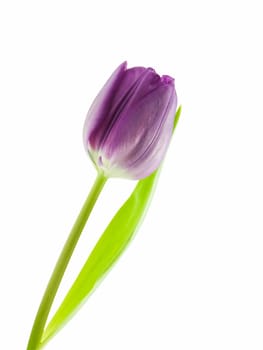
(62, 263)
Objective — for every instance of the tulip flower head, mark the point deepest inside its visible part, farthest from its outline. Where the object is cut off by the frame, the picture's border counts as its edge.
(129, 125)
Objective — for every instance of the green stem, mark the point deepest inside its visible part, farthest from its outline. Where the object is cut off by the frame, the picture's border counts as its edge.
(62, 263)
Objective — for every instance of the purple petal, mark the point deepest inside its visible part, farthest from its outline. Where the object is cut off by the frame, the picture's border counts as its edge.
(98, 116)
(154, 154)
(108, 104)
(142, 132)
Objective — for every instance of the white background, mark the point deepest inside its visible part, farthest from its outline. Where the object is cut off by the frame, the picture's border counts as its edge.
(192, 278)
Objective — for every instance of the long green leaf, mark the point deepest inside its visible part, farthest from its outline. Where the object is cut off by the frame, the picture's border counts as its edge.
(108, 249)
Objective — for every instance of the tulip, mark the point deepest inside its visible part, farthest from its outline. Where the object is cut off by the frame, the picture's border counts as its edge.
(127, 132)
(129, 125)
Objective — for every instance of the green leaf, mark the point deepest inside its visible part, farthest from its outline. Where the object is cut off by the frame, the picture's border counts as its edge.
(108, 249)
(177, 116)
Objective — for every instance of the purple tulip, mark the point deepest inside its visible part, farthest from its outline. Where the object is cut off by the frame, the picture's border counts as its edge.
(129, 125)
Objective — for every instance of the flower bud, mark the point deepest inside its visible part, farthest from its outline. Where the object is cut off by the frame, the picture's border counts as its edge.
(129, 125)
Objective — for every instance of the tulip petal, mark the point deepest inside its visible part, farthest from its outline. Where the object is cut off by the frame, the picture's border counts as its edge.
(142, 133)
(107, 104)
(98, 117)
(156, 150)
